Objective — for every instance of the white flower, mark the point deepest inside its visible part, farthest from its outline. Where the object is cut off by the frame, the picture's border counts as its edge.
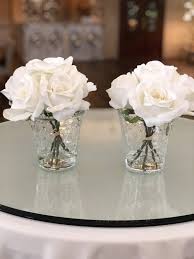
(120, 90)
(48, 65)
(156, 69)
(23, 92)
(162, 94)
(157, 102)
(64, 90)
(185, 85)
(156, 93)
(52, 84)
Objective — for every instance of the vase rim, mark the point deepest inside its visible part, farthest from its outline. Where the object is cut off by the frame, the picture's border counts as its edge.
(44, 117)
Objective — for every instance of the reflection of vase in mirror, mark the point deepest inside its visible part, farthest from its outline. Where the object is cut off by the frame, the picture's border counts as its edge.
(144, 197)
(58, 195)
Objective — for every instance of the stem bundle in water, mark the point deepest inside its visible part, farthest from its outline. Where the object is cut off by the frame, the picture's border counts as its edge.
(145, 146)
(144, 150)
(54, 160)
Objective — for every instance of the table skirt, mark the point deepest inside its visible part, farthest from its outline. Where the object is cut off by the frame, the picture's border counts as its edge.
(28, 239)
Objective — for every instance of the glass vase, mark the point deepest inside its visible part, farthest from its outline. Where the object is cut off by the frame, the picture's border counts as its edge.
(56, 142)
(146, 147)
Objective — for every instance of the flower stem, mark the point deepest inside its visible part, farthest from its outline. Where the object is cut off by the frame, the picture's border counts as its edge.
(57, 142)
(147, 144)
(138, 153)
(145, 157)
(153, 155)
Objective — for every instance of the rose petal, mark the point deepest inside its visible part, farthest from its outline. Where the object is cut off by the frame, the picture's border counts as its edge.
(16, 115)
(84, 106)
(91, 87)
(38, 110)
(6, 93)
(64, 114)
(58, 107)
(168, 116)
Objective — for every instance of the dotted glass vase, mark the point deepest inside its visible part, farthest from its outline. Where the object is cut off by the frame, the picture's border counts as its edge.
(145, 147)
(56, 142)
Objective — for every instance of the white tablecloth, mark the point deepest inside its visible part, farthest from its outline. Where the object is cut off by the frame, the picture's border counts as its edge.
(28, 239)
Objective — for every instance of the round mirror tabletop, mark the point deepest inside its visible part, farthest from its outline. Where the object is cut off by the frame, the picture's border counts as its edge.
(99, 191)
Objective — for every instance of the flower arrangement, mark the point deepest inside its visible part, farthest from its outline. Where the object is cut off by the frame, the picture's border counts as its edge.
(156, 94)
(52, 89)
(53, 86)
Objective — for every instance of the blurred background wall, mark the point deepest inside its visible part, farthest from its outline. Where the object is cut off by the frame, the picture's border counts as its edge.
(176, 32)
(106, 38)
(111, 33)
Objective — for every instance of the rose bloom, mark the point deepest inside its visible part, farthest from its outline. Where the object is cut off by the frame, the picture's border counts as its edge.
(120, 90)
(52, 84)
(156, 69)
(157, 103)
(156, 93)
(23, 92)
(64, 90)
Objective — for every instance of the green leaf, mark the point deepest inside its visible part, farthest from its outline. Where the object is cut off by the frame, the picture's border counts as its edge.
(133, 119)
(126, 112)
(129, 116)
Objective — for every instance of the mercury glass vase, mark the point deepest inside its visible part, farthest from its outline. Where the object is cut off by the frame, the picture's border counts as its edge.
(146, 147)
(56, 142)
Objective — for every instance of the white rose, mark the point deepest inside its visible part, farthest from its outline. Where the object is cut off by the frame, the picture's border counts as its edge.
(157, 93)
(120, 90)
(185, 85)
(23, 92)
(53, 84)
(48, 65)
(158, 102)
(156, 69)
(64, 90)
